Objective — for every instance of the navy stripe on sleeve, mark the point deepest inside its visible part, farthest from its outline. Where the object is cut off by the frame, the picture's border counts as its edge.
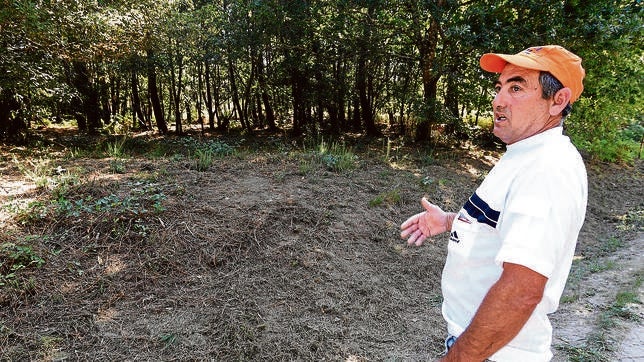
(481, 211)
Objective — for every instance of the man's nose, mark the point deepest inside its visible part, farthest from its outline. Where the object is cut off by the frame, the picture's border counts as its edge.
(498, 101)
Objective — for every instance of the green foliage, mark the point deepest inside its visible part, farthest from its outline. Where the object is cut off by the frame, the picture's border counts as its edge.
(204, 159)
(38, 171)
(207, 152)
(14, 258)
(117, 166)
(608, 119)
(143, 199)
(387, 198)
(168, 339)
(116, 148)
(309, 66)
(621, 307)
(336, 157)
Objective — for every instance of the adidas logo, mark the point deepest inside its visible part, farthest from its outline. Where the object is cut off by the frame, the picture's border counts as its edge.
(453, 236)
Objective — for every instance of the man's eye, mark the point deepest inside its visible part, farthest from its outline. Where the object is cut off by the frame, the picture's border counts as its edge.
(516, 88)
(497, 89)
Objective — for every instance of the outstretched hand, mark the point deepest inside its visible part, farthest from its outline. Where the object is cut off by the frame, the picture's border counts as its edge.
(430, 222)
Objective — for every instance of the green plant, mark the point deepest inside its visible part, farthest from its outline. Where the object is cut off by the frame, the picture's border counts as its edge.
(204, 159)
(116, 149)
(306, 166)
(206, 152)
(621, 307)
(168, 339)
(50, 349)
(610, 245)
(158, 198)
(593, 350)
(219, 148)
(612, 147)
(14, 258)
(117, 166)
(336, 157)
(387, 150)
(389, 198)
(38, 171)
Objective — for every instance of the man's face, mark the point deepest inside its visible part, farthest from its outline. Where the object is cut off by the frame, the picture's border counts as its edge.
(519, 110)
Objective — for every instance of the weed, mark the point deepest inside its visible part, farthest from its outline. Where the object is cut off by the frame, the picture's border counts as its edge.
(306, 166)
(116, 149)
(50, 348)
(117, 166)
(168, 338)
(569, 298)
(37, 171)
(158, 199)
(622, 306)
(632, 221)
(389, 198)
(610, 245)
(336, 157)
(388, 150)
(205, 159)
(595, 266)
(219, 148)
(207, 152)
(594, 350)
(428, 159)
(15, 258)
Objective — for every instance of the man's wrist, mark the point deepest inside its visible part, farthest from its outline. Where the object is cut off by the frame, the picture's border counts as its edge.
(449, 220)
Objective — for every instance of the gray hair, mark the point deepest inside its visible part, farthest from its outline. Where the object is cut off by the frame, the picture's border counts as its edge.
(550, 86)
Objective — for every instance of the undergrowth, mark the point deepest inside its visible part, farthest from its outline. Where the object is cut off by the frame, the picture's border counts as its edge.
(14, 258)
(334, 156)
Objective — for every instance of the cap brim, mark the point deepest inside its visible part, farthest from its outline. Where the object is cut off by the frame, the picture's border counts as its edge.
(496, 62)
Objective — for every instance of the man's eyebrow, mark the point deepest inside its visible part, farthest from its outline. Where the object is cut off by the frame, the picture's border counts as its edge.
(516, 79)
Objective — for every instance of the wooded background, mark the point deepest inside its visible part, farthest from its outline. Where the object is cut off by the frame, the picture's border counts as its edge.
(332, 66)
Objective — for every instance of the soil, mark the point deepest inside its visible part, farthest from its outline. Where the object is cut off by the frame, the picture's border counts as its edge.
(269, 255)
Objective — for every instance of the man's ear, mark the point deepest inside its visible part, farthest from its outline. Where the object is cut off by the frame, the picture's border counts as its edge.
(560, 101)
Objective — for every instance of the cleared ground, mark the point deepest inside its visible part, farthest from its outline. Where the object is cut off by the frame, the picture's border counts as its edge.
(270, 254)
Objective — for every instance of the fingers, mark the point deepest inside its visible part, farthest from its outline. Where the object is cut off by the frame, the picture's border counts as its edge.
(414, 235)
(408, 230)
(416, 238)
(411, 228)
(411, 221)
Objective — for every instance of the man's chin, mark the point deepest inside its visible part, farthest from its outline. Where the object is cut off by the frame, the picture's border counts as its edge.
(500, 135)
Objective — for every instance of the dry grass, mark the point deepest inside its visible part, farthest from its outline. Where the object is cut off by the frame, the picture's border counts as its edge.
(253, 257)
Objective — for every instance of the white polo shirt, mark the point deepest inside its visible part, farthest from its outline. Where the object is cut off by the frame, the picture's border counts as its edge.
(528, 211)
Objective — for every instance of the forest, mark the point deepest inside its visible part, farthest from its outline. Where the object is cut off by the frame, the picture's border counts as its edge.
(192, 180)
(407, 67)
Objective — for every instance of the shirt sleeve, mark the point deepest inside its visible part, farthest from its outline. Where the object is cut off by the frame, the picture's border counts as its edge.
(533, 223)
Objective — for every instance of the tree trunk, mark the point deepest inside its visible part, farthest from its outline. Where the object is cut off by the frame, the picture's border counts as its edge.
(154, 95)
(176, 84)
(235, 94)
(115, 94)
(136, 102)
(427, 44)
(363, 81)
(208, 97)
(269, 113)
(89, 96)
(11, 127)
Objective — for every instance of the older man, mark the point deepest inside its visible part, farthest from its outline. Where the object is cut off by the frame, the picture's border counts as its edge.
(511, 245)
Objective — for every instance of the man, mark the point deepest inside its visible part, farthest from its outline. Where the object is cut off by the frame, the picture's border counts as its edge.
(511, 245)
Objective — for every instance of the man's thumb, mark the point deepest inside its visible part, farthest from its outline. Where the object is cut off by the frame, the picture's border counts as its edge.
(427, 205)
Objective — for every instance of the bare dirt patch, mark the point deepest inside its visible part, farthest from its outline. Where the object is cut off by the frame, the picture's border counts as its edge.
(268, 256)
